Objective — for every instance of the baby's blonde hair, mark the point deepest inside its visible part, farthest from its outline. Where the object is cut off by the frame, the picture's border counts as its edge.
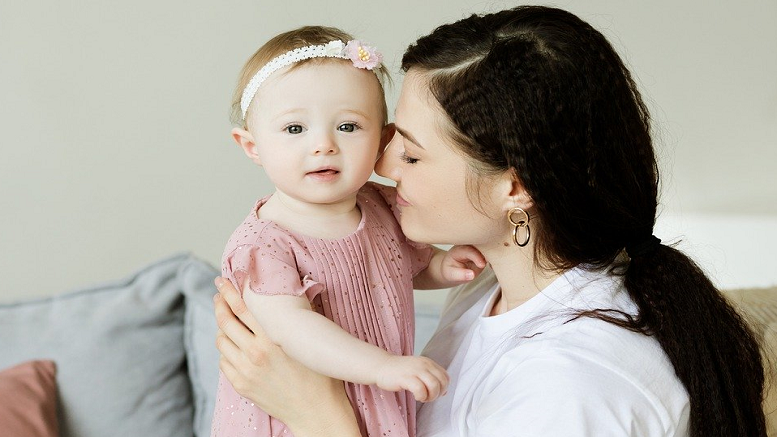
(284, 42)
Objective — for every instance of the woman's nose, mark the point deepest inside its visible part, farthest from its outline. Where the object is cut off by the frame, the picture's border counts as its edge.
(386, 165)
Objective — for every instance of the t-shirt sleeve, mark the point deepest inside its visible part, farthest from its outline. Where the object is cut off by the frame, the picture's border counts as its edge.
(270, 268)
(420, 253)
(547, 396)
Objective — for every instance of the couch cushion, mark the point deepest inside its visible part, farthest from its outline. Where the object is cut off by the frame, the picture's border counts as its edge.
(119, 351)
(28, 400)
(759, 307)
(200, 342)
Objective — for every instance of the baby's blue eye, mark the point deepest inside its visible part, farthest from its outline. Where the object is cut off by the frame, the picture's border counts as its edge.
(294, 129)
(347, 127)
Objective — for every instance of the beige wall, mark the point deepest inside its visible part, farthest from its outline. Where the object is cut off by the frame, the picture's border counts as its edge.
(114, 134)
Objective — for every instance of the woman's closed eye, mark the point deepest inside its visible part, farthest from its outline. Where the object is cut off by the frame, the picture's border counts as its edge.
(407, 158)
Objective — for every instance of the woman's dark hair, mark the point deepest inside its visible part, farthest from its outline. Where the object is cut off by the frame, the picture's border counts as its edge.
(538, 91)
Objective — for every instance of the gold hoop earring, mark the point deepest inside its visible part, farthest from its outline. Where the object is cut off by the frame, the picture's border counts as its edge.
(522, 222)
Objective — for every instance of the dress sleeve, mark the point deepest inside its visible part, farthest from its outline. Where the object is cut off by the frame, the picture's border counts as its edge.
(271, 269)
(420, 253)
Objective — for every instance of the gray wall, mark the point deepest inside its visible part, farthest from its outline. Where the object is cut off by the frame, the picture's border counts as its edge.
(115, 141)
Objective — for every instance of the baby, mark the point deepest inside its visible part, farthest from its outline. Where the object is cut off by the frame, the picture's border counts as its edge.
(322, 262)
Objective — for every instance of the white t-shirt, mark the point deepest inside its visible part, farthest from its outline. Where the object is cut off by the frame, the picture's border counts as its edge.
(528, 373)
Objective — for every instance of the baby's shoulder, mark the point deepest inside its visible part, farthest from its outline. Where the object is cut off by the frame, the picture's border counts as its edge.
(379, 198)
(375, 191)
(254, 231)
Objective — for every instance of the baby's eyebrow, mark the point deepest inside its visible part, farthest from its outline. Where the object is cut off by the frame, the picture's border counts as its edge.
(359, 113)
(288, 112)
(407, 135)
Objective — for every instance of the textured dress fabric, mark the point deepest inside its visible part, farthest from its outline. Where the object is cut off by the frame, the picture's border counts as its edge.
(363, 282)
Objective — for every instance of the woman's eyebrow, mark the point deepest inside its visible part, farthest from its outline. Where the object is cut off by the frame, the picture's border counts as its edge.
(407, 135)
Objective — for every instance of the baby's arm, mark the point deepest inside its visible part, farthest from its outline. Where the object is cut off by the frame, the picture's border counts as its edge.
(324, 347)
(448, 268)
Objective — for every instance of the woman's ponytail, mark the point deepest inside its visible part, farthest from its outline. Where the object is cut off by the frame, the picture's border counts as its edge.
(707, 341)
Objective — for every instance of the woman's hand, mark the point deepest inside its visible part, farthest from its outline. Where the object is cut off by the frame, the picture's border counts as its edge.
(310, 404)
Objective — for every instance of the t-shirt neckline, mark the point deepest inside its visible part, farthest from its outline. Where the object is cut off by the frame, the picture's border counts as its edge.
(556, 293)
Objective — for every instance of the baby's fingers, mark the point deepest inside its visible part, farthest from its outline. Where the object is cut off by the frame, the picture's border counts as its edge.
(468, 254)
(434, 387)
(418, 388)
(442, 376)
(458, 274)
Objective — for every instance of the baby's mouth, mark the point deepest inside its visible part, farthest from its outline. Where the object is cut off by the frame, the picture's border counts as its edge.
(325, 171)
(324, 174)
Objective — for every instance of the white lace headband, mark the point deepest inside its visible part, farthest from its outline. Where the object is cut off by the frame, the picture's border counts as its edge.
(362, 56)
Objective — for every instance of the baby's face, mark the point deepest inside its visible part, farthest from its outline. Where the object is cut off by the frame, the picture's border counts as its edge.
(317, 129)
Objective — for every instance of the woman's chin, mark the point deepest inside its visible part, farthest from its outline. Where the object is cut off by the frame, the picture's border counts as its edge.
(420, 235)
(414, 233)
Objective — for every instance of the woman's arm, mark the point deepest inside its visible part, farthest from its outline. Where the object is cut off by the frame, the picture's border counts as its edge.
(309, 403)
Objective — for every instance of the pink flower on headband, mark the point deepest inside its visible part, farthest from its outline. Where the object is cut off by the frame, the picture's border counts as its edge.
(362, 55)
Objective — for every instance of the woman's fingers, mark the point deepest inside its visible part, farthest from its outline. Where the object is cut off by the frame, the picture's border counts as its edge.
(236, 378)
(227, 367)
(233, 317)
(230, 326)
(230, 294)
(227, 347)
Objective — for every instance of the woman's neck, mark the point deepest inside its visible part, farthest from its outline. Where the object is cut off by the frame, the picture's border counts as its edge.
(318, 220)
(519, 279)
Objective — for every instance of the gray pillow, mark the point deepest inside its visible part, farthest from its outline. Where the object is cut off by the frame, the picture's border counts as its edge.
(119, 350)
(200, 342)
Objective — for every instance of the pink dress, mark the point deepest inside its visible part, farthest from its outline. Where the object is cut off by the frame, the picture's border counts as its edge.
(363, 282)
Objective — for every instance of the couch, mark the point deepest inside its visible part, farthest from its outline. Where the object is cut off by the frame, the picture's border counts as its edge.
(136, 358)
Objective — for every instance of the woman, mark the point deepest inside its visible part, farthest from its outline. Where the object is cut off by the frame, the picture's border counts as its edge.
(522, 133)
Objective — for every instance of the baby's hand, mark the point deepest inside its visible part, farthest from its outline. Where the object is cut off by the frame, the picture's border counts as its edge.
(419, 375)
(462, 264)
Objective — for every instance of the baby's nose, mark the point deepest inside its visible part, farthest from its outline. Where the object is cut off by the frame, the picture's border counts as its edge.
(325, 145)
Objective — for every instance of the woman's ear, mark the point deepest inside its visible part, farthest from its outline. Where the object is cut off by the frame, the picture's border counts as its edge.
(512, 192)
(245, 140)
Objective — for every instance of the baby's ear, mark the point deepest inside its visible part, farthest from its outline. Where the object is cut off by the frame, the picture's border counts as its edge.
(245, 140)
